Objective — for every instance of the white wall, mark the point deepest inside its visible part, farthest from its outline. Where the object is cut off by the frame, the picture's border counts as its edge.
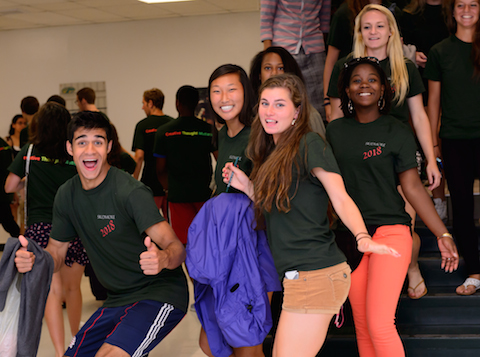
(130, 56)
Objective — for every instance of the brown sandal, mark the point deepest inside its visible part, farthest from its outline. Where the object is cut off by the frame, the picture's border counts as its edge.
(415, 288)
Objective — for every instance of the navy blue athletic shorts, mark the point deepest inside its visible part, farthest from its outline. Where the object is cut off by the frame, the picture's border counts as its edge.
(136, 328)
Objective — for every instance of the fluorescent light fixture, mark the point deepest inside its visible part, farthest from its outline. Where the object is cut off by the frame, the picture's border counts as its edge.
(161, 1)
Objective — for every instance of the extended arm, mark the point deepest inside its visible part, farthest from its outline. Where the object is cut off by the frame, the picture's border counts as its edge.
(434, 91)
(139, 157)
(419, 199)
(348, 211)
(424, 135)
(154, 260)
(341, 201)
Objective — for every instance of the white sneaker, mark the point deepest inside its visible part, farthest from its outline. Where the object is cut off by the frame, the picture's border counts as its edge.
(441, 208)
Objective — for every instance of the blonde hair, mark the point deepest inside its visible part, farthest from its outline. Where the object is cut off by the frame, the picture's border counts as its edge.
(399, 74)
(415, 7)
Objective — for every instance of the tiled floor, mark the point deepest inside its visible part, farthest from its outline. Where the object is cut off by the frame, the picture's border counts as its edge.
(181, 342)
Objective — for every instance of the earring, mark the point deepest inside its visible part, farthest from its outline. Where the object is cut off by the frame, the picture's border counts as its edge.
(381, 103)
(350, 106)
(293, 121)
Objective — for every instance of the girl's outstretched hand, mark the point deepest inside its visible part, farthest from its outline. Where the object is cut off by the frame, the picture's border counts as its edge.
(367, 245)
(238, 180)
(449, 253)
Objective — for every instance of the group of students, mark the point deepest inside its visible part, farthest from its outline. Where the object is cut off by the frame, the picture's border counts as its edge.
(270, 149)
(295, 174)
(372, 94)
(422, 25)
(36, 173)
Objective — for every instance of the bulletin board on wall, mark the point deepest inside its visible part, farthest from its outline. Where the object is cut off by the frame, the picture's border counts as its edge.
(69, 92)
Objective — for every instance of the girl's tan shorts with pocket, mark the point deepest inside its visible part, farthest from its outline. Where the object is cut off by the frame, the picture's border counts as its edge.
(320, 291)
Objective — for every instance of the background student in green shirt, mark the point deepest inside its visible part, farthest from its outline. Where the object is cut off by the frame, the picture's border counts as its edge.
(453, 73)
(50, 167)
(185, 139)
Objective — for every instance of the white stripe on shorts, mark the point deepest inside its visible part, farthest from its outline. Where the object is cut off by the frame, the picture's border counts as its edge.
(159, 322)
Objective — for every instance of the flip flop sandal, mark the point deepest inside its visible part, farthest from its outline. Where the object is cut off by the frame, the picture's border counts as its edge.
(415, 288)
(471, 281)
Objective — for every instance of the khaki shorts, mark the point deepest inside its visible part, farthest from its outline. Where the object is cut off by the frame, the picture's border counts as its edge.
(320, 291)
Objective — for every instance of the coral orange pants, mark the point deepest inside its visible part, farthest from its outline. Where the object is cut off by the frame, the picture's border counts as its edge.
(376, 286)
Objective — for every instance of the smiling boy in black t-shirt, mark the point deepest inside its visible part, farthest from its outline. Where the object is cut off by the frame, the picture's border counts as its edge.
(109, 210)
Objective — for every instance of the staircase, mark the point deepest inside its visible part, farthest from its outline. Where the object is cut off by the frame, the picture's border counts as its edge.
(439, 324)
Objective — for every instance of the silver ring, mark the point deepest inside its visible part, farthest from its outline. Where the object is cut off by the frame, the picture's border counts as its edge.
(448, 258)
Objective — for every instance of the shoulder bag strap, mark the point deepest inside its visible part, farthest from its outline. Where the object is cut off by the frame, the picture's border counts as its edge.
(27, 171)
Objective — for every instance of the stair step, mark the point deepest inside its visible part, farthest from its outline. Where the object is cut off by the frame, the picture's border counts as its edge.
(438, 313)
(429, 241)
(417, 330)
(436, 330)
(415, 346)
(432, 345)
(441, 310)
(436, 277)
(476, 202)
